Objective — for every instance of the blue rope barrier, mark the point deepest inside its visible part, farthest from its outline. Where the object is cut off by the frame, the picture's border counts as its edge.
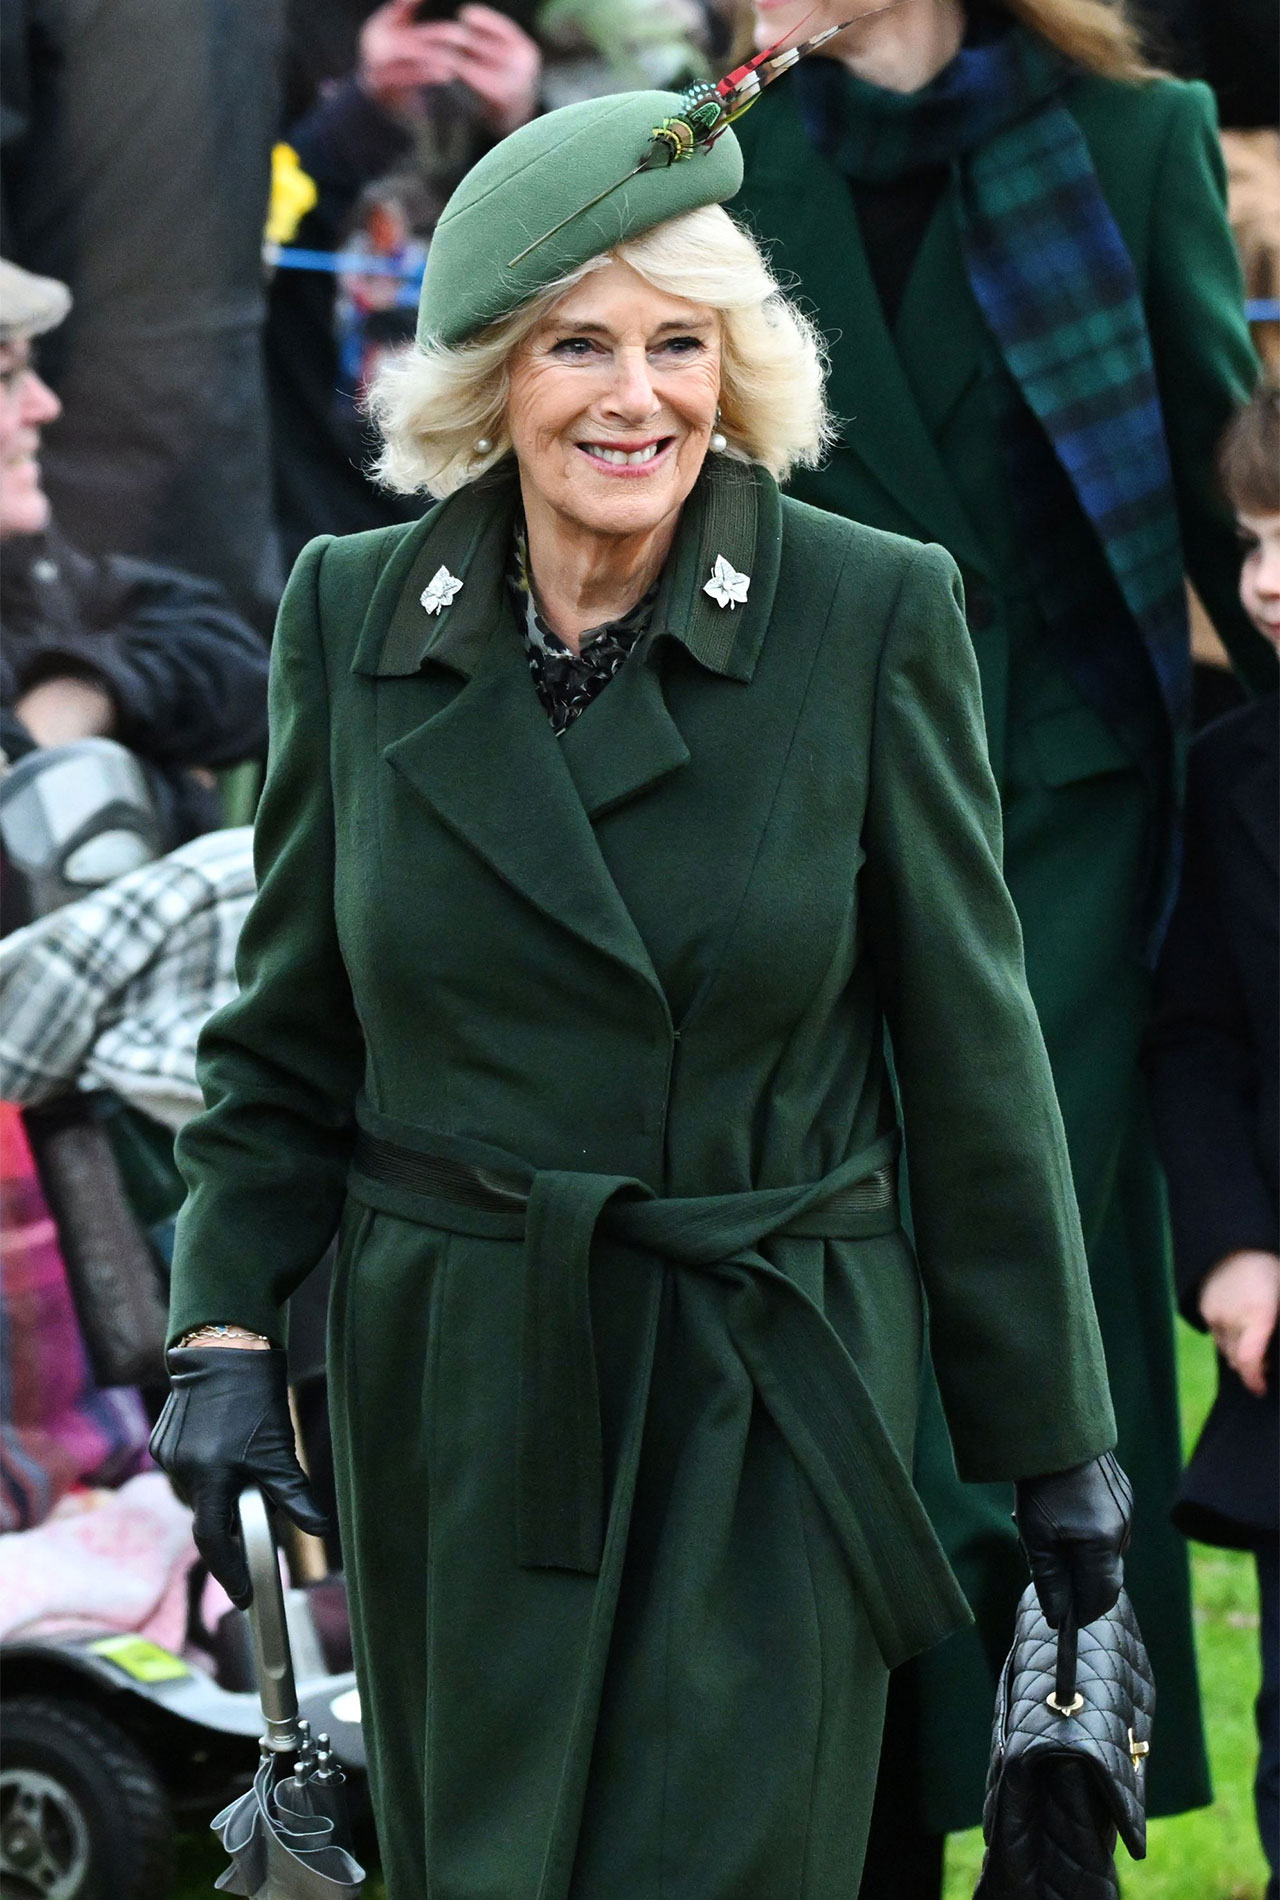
(289, 257)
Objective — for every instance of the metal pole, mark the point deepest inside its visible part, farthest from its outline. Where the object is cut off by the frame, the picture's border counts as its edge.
(273, 1660)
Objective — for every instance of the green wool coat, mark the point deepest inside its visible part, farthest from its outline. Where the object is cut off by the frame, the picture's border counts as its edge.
(919, 454)
(646, 970)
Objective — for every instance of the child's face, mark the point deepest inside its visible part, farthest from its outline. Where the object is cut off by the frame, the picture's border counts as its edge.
(1260, 574)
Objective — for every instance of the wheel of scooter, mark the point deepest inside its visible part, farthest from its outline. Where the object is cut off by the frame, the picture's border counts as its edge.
(83, 1815)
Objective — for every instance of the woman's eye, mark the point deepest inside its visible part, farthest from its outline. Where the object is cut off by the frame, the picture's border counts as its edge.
(682, 345)
(573, 348)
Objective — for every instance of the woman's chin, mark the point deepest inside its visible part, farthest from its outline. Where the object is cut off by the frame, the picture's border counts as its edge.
(627, 514)
(25, 512)
(627, 503)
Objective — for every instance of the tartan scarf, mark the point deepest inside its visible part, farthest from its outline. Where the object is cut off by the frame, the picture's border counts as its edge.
(1072, 374)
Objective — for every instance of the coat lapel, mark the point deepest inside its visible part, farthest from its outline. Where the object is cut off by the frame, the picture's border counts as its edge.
(942, 359)
(627, 741)
(488, 763)
(489, 766)
(877, 410)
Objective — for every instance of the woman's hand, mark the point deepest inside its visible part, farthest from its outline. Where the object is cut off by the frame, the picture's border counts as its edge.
(483, 48)
(59, 711)
(499, 62)
(225, 1425)
(1240, 1304)
(398, 56)
(1074, 1527)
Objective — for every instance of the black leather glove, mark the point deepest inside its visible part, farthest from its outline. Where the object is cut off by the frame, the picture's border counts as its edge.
(226, 1425)
(1074, 1527)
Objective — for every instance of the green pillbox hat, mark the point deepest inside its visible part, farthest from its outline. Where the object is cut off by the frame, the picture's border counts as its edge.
(548, 171)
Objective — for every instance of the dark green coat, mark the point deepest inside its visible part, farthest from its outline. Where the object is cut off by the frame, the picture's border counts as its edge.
(663, 948)
(919, 455)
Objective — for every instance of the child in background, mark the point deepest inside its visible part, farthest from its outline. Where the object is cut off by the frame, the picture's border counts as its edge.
(1214, 1062)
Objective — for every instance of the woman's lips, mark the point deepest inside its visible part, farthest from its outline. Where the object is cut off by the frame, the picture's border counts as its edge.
(615, 459)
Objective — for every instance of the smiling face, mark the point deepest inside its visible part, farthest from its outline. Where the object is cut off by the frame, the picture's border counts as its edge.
(613, 400)
(26, 405)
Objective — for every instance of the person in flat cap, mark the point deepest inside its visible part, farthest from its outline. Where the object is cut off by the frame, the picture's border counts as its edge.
(105, 645)
(615, 810)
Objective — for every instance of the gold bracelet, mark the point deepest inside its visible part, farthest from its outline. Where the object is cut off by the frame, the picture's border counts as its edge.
(213, 1332)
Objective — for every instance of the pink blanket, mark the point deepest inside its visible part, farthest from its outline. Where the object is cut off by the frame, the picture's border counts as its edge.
(105, 1561)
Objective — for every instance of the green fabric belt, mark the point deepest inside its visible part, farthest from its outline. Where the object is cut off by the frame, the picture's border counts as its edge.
(798, 1365)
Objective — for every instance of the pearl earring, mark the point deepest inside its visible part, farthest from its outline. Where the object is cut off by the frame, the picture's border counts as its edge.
(719, 440)
(482, 445)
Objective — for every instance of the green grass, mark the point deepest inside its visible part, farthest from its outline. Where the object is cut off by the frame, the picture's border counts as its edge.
(1210, 1855)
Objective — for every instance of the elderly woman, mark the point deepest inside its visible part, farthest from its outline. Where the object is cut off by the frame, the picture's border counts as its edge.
(614, 812)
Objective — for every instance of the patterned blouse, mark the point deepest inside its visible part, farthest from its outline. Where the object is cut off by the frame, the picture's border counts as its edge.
(567, 682)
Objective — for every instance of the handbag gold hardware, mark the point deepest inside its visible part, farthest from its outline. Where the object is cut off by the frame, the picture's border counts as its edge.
(1137, 1749)
(1065, 1708)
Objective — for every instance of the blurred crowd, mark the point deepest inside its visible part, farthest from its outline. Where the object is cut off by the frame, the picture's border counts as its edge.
(214, 220)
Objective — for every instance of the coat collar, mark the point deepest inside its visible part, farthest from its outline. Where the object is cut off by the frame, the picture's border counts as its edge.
(734, 510)
(487, 761)
(469, 534)
(886, 422)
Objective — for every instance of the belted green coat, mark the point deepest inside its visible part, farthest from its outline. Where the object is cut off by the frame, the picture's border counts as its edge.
(920, 454)
(580, 1046)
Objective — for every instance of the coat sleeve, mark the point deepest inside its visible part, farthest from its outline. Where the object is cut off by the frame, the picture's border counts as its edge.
(187, 677)
(265, 1164)
(1203, 1068)
(1014, 1336)
(1205, 363)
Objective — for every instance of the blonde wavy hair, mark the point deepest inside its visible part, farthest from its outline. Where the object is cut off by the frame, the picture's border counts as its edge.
(431, 403)
(1100, 35)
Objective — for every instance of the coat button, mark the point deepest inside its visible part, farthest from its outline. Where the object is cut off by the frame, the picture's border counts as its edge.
(979, 604)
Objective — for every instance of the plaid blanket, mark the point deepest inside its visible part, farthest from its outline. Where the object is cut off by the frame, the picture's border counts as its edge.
(112, 991)
(1074, 378)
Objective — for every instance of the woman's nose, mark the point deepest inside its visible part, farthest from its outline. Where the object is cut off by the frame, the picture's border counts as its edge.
(39, 404)
(631, 394)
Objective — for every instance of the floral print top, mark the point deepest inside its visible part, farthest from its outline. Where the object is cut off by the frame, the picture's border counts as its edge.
(567, 682)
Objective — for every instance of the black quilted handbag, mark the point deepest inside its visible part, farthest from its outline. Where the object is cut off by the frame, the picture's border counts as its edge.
(1072, 1733)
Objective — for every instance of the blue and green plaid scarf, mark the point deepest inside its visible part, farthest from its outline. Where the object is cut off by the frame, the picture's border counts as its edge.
(1074, 379)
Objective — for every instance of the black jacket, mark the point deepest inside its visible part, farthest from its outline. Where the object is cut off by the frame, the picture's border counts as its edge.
(1214, 1062)
(187, 676)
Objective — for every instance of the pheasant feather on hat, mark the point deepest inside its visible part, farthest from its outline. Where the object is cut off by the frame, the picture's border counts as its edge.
(709, 110)
(577, 182)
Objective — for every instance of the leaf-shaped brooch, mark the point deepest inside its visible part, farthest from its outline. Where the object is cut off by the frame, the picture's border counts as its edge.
(440, 590)
(726, 587)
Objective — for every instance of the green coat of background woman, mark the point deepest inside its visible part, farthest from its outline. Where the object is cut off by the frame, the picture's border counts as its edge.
(920, 453)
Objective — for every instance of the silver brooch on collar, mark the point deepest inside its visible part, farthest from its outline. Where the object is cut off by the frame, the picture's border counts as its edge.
(726, 587)
(440, 590)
